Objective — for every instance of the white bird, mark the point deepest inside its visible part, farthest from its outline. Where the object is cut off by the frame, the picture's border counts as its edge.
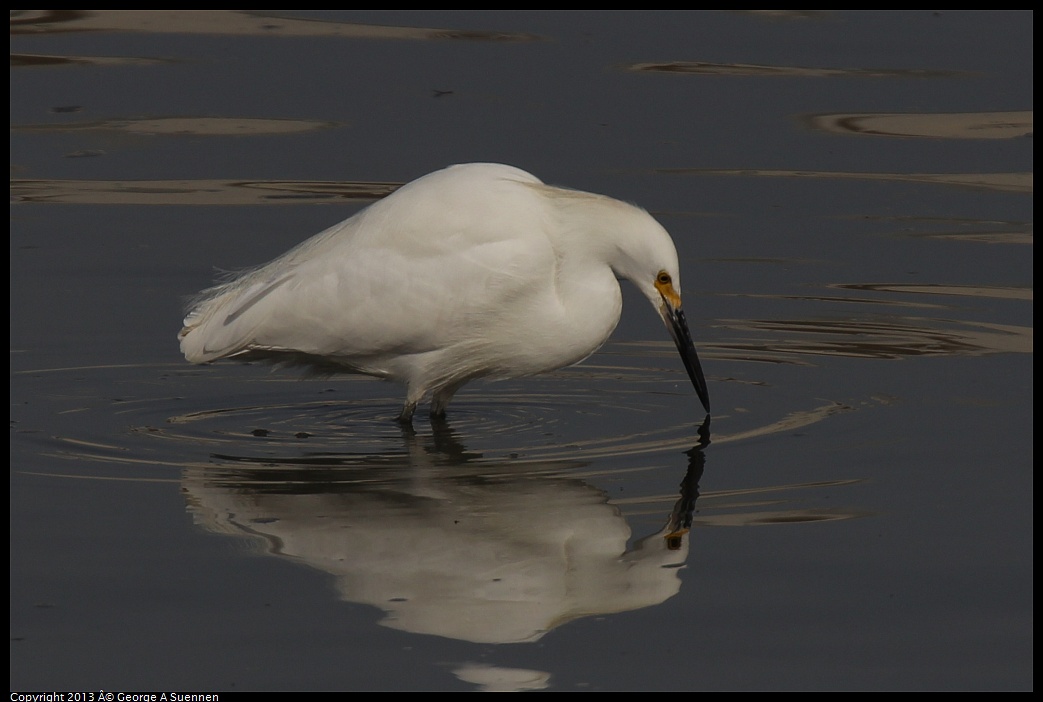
(477, 270)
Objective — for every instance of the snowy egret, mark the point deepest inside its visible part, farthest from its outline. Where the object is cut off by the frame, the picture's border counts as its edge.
(477, 270)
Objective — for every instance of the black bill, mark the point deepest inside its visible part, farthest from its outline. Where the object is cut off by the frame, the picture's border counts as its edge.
(678, 327)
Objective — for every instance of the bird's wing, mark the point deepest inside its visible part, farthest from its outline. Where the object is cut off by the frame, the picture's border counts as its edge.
(368, 302)
(411, 273)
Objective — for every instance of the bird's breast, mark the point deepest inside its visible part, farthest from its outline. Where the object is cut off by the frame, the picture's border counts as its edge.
(571, 320)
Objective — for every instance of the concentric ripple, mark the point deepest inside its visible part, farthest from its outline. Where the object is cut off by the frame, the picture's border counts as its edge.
(156, 416)
(175, 415)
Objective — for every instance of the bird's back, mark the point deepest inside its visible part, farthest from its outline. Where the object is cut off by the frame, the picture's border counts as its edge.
(405, 276)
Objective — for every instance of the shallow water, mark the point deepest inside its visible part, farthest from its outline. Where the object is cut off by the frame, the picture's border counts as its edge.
(851, 196)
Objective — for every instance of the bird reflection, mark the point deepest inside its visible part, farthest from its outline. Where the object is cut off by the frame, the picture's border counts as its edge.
(680, 522)
(448, 543)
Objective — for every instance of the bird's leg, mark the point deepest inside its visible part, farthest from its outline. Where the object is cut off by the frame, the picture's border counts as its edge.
(405, 417)
(441, 397)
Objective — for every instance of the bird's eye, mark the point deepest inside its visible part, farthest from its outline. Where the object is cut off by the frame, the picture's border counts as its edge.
(663, 278)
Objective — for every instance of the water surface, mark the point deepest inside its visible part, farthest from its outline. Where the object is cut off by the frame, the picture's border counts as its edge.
(851, 196)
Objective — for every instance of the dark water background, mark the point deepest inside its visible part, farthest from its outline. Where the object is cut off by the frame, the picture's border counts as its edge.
(851, 197)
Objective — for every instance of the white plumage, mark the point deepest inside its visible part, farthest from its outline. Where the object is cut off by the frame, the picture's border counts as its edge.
(477, 270)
